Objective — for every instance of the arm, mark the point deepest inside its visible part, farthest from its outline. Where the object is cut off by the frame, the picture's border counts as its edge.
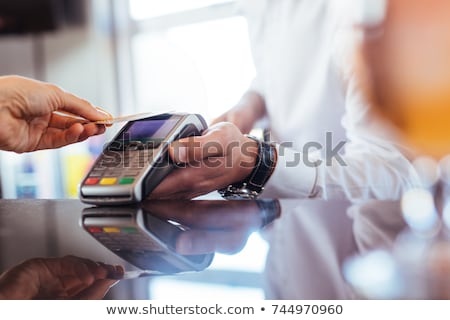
(375, 164)
(250, 108)
(369, 172)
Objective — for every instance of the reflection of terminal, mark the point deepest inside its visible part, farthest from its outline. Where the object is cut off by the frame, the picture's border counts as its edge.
(161, 237)
(142, 239)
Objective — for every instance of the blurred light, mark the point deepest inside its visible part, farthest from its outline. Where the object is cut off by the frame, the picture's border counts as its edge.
(428, 170)
(410, 249)
(375, 275)
(419, 211)
(192, 68)
(143, 9)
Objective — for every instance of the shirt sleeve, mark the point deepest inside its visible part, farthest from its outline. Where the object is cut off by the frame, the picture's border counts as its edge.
(374, 164)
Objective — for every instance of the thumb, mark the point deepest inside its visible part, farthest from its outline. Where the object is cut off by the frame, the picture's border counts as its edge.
(215, 142)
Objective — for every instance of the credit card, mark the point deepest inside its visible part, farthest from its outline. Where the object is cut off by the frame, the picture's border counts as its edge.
(111, 121)
(139, 274)
(131, 117)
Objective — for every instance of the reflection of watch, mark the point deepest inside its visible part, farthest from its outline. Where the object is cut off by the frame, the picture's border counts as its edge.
(270, 210)
(253, 185)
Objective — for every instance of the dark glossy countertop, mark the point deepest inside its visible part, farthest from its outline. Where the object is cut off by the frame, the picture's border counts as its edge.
(317, 249)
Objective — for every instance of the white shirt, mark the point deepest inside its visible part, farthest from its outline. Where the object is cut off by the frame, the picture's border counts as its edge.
(302, 58)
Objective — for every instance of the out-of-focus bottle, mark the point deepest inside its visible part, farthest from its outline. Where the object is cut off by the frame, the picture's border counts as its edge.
(405, 72)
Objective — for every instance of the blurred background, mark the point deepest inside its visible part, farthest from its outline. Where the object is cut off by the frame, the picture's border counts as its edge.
(129, 56)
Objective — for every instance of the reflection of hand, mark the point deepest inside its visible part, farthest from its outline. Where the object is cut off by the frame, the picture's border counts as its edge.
(28, 121)
(222, 226)
(244, 115)
(58, 278)
(222, 156)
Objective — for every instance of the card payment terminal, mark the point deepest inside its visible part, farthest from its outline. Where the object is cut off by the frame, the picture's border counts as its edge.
(137, 159)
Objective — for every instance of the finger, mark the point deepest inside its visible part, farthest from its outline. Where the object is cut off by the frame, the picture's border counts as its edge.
(90, 130)
(113, 272)
(217, 141)
(207, 214)
(79, 107)
(200, 242)
(61, 121)
(56, 138)
(97, 269)
(72, 118)
(96, 291)
(206, 177)
(235, 118)
(222, 118)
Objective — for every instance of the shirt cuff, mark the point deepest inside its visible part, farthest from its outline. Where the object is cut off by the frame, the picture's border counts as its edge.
(293, 177)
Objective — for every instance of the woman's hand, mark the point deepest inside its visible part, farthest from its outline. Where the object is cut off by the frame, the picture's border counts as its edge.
(28, 121)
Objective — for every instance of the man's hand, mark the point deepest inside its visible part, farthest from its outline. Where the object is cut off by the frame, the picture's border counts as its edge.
(222, 156)
(213, 226)
(28, 121)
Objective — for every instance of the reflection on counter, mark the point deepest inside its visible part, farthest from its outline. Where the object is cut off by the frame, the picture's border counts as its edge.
(151, 239)
(68, 277)
(317, 249)
(370, 250)
(411, 259)
(161, 237)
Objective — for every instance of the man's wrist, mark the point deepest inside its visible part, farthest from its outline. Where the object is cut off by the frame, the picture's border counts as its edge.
(253, 184)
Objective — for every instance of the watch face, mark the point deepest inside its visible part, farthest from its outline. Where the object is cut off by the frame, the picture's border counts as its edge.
(235, 193)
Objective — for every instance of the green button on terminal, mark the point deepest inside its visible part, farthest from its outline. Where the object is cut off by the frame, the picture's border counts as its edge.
(126, 180)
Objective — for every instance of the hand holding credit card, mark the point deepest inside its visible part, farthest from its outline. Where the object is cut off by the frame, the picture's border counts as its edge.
(131, 117)
(111, 121)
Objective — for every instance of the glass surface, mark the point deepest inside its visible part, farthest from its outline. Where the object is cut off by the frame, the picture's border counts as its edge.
(314, 250)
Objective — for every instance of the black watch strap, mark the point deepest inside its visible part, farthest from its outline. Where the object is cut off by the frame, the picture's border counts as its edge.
(253, 185)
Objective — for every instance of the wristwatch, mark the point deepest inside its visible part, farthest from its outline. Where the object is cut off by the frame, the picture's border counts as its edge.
(251, 187)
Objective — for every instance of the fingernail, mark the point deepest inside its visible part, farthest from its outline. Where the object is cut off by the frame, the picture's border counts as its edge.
(119, 269)
(116, 273)
(101, 110)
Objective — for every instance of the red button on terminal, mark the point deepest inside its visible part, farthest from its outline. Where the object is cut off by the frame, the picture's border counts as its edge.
(95, 229)
(91, 181)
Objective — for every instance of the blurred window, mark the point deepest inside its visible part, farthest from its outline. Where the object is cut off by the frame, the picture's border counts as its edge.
(189, 55)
